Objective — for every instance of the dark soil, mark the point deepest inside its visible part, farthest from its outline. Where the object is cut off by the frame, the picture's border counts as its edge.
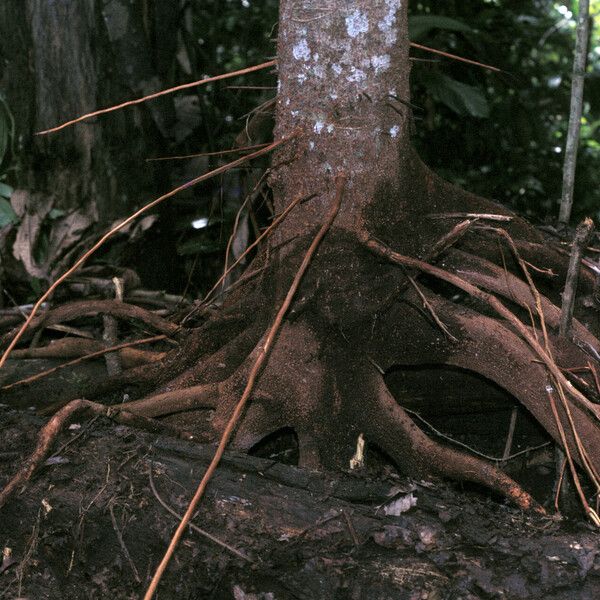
(308, 535)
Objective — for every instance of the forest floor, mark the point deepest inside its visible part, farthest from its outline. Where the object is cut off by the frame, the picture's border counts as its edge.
(89, 525)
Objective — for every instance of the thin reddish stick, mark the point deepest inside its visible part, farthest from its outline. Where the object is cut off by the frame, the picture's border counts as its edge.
(79, 359)
(265, 65)
(177, 88)
(120, 226)
(199, 154)
(455, 57)
(260, 361)
(255, 243)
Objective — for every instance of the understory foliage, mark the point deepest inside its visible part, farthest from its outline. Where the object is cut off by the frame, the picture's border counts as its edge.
(500, 135)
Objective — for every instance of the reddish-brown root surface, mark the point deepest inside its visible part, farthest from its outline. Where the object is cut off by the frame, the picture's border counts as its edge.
(354, 318)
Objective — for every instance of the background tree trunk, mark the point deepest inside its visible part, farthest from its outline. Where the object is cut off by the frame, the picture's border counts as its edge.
(62, 59)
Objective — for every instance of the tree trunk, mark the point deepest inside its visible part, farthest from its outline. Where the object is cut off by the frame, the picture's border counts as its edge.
(62, 59)
(370, 303)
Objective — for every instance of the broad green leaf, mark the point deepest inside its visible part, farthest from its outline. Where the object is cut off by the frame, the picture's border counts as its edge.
(7, 214)
(5, 190)
(461, 98)
(420, 25)
(198, 246)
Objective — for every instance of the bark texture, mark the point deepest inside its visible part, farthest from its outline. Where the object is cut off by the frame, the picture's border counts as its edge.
(356, 317)
(62, 59)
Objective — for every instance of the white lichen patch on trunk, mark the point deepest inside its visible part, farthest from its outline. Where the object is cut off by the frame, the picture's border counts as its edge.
(338, 61)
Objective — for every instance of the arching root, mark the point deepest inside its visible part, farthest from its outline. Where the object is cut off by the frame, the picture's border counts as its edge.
(86, 308)
(394, 431)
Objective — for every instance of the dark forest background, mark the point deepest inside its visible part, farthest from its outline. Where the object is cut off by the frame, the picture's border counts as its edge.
(500, 135)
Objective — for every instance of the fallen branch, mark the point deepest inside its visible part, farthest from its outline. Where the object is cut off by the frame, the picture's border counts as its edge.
(254, 372)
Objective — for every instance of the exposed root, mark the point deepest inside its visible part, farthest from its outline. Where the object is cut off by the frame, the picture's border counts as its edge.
(391, 427)
(254, 372)
(178, 400)
(88, 308)
(492, 350)
(219, 364)
(85, 349)
(52, 429)
(83, 258)
(384, 251)
(489, 276)
(129, 356)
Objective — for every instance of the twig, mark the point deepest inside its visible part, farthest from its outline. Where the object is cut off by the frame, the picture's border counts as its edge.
(532, 287)
(561, 477)
(455, 57)
(75, 361)
(577, 81)
(200, 154)
(467, 215)
(122, 543)
(429, 308)
(253, 245)
(351, 528)
(248, 201)
(197, 529)
(82, 432)
(510, 435)
(128, 220)
(178, 88)
(260, 361)
(496, 459)
(588, 509)
(582, 237)
(449, 239)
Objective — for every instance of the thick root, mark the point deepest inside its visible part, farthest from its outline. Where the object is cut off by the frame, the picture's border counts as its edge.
(87, 308)
(390, 427)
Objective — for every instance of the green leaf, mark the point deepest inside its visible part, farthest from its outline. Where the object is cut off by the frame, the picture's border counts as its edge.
(198, 246)
(5, 190)
(7, 214)
(420, 25)
(56, 213)
(461, 98)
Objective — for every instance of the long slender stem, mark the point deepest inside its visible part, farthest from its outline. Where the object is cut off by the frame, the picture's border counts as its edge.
(184, 86)
(254, 372)
(579, 63)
